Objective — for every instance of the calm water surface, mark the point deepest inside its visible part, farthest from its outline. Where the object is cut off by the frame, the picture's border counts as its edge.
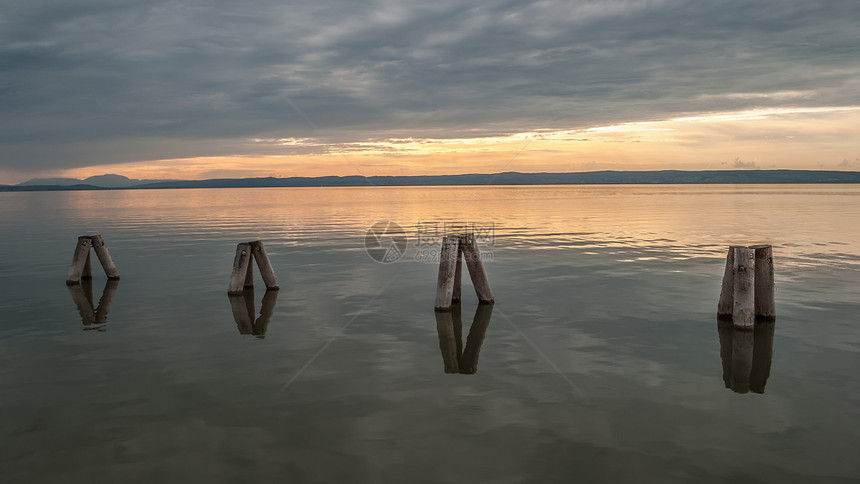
(601, 360)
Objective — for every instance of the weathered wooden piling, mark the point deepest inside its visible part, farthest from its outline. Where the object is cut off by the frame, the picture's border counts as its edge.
(476, 268)
(240, 269)
(104, 257)
(765, 304)
(747, 289)
(447, 268)
(265, 265)
(249, 276)
(87, 271)
(726, 305)
(457, 294)
(81, 261)
(743, 294)
(242, 275)
(456, 248)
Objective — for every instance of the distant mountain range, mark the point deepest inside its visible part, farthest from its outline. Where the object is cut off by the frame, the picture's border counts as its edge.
(109, 182)
(99, 181)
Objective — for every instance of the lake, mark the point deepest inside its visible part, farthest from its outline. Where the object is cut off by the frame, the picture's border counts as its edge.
(601, 359)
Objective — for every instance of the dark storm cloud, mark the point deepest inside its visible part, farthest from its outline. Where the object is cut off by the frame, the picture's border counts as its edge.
(86, 82)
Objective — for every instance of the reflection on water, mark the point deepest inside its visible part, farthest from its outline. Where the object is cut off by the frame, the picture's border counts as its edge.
(449, 325)
(746, 355)
(244, 313)
(591, 279)
(93, 317)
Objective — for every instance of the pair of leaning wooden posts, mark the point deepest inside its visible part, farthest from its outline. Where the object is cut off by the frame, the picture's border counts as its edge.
(455, 249)
(242, 276)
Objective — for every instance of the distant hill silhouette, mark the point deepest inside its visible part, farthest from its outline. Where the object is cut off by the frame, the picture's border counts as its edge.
(60, 182)
(507, 178)
(98, 181)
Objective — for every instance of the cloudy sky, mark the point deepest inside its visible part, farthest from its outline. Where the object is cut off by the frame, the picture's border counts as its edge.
(202, 89)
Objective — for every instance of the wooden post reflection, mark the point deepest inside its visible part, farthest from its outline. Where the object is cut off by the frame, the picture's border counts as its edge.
(242, 306)
(449, 326)
(82, 295)
(82, 301)
(480, 323)
(447, 343)
(746, 355)
(762, 355)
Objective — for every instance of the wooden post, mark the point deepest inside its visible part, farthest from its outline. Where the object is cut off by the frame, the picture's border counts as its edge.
(79, 260)
(249, 276)
(447, 269)
(104, 257)
(265, 265)
(476, 269)
(456, 295)
(87, 272)
(743, 272)
(240, 268)
(726, 304)
(765, 305)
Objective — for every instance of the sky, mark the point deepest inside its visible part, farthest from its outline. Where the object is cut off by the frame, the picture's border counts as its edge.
(193, 89)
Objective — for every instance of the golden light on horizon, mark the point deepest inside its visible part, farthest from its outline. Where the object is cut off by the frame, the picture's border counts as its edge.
(791, 138)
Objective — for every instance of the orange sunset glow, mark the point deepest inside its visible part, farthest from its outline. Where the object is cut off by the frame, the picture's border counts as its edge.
(798, 138)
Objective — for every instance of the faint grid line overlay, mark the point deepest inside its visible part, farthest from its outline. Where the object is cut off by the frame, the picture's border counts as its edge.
(540, 352)
(337, 335)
